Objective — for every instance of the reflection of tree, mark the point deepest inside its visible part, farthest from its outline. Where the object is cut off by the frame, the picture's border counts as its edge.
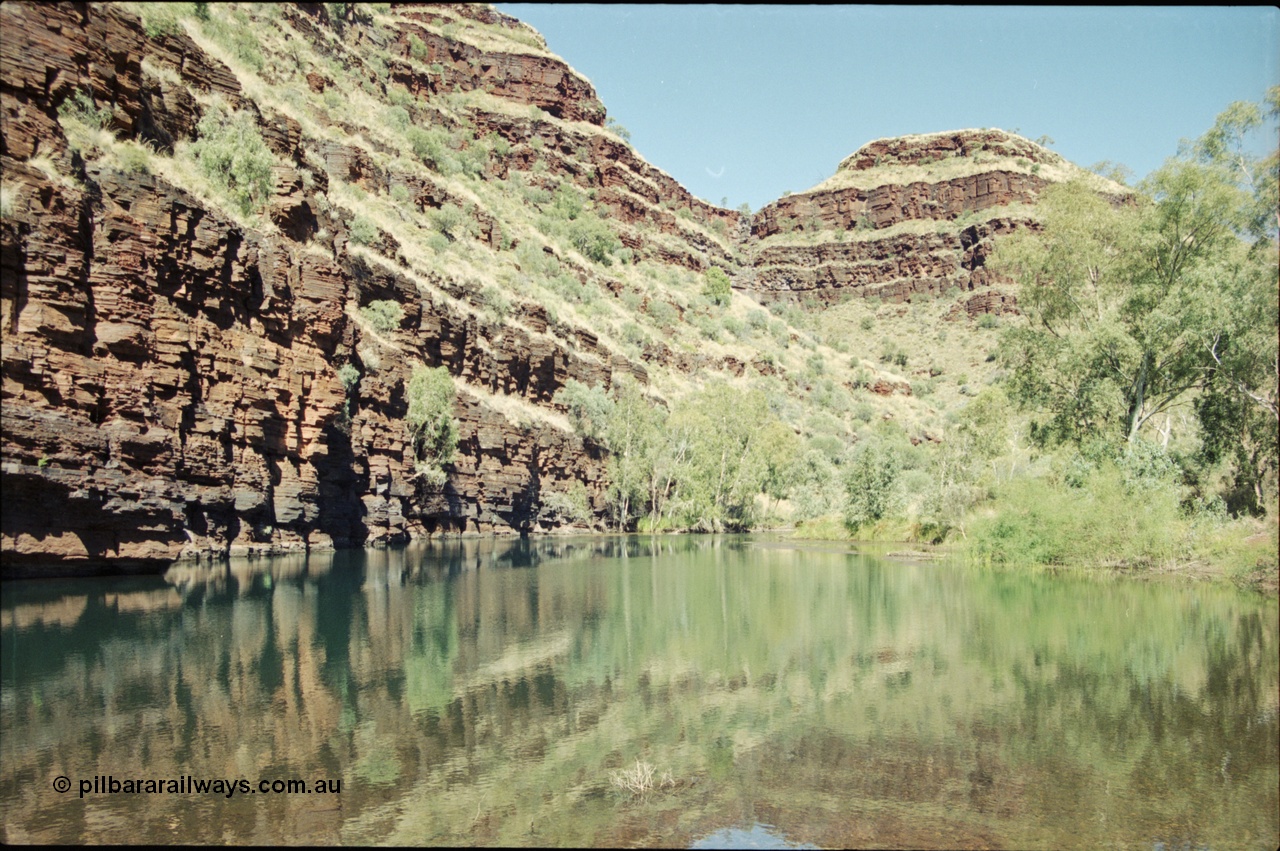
(462, 695)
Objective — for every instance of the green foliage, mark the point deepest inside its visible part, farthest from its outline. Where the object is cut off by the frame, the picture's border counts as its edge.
(571, 506)
(640, 459)
(432, 146)
(892, 353)
(959, 468)
(594, 239)
(451, 221)
(816, 489)
(1104, 521)
(417, 48)
(499, 145)
(1137, 308)
(496, 301)
(611, 124)
(397, 116)
(383, 315)
(473, 159)
(134, 159)
(727, 463)
(589, 408)
(161, 19)
(433, 431)
(363, 231)
(664, 315)
(349, 375)
(233, 29)
(232, 154)
(716, 286)
(871, 482)
(80, 107)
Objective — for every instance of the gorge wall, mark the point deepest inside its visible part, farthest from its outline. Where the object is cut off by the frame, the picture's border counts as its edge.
(171, 381)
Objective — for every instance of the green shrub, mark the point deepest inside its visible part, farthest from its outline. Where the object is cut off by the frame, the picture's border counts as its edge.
(383, 315)
(473, 159)
(433, 432)
(432, 147)
(871, 483)
(611, 124)
(80, 107)
(400, 96)
(451, 221)
(496, 301)
(232, 154)
(735, 326)
(589, 408)
(662, 312)
(594, 239)
(716, 286)
(134, 159)
(571, 507)
(634, 335)
(363, 231)
(158, 19)
(237, 33)
(397, 116)
(499, 145)
(417, 48)
(1104, 521)
(349, 375)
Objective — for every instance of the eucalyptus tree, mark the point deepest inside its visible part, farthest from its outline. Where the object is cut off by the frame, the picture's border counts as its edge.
(1137, 304)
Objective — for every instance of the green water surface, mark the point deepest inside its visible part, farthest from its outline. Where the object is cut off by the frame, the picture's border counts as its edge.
(482, 692)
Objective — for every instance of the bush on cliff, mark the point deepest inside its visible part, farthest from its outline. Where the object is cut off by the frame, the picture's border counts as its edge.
(432, 429)
(233, 156)
(383, 315)
(717, 287)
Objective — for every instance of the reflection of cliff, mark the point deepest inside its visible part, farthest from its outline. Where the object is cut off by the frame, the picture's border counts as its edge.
(461, 698)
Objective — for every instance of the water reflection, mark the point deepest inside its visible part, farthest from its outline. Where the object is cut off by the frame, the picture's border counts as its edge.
(486, 692)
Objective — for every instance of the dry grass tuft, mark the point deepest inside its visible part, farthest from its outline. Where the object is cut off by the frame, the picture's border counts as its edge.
(641, 779)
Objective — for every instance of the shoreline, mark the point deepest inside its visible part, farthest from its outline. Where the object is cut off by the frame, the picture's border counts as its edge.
(1263, 580)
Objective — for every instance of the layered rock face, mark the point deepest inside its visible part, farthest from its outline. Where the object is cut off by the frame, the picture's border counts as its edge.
(170, 383)
(171, 370)
(903, 218)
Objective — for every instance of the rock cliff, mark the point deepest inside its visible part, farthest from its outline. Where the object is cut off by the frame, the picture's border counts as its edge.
(907, 217)
(172, 358)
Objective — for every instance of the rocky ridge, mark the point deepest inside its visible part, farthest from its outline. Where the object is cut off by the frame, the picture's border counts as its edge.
(170, 368)
(908, 217)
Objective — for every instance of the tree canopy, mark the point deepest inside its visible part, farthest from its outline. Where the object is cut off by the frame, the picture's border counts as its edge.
(1164, 299)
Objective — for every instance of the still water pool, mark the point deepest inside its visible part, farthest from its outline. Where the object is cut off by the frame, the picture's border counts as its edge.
(766, 694)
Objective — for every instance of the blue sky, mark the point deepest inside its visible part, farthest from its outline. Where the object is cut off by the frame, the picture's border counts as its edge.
(748, 102)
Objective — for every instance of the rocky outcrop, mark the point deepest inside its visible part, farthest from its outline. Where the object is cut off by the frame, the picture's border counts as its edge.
(934, 147)
(902, 219)
(170, 389)
(884, 206)
(170, 384)
(894, 268)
